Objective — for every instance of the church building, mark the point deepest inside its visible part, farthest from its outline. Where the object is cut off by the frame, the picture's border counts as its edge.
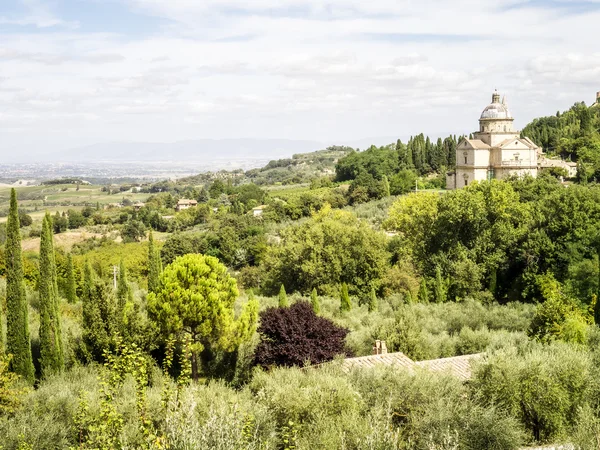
(496, 150)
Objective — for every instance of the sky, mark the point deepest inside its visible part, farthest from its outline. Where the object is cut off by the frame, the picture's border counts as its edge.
(80, 72)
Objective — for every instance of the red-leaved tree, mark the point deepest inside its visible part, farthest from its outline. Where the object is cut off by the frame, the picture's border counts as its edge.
(294, 335)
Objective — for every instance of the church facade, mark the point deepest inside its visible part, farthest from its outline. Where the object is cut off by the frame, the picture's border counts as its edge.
(496, 150)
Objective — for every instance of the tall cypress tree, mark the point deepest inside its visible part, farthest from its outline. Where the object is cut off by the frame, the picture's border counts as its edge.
(372, 305)
(385, 186)
(314, 301)
(18, 342)
(99, 321)
(124, 293)
(283, 301)
(154, 265)
(345, 304)
(423, 294)
(51, 351)
(71, 288)
(440, 286)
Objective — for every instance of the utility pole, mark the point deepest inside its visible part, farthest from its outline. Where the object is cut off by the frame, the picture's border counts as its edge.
(115, 272)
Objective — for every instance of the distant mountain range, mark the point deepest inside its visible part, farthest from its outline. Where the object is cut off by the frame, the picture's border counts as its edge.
(200, 151)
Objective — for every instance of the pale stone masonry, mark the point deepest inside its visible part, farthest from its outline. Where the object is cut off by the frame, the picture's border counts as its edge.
(496, 150)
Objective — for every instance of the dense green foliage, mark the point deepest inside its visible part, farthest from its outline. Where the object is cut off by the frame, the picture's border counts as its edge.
(17, 320)
(331, 248)
(573, 135)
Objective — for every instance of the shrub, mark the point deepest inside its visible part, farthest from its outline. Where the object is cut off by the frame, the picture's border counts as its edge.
(544, 387)
(292, 336)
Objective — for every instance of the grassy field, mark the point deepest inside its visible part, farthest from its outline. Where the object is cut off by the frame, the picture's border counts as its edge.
(36, 200)
(64, 240)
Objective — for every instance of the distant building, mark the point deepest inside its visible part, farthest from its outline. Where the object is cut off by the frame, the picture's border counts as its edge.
(496, 150)
(138, 205)
(597, 99)
(185, 203)
(258, 211)
(547, 163)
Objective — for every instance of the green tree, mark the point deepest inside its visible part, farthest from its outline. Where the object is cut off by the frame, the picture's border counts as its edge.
(99, 318)
(314, 301)
(124, 293)
(386, 186)
(557, 316)
(51, 349)
(372, 305)
(439, 289)
(195, 298)
(331, 248)
(17, 315)
(423, 295)
(345, 303)
(71, 286)
(153, 264)
(283, 301)
(133, 231)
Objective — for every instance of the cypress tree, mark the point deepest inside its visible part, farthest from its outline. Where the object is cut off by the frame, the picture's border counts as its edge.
(71, 288)
(314, 301)
(493, 281)
(124, 293)
(154, 265)
(386, 186)
(372, 305)
(597, 303)
(283, 301)
(439, 290)
(423, 295)
(345, 304)
(18, 342)
(51, 351)
(99, 321)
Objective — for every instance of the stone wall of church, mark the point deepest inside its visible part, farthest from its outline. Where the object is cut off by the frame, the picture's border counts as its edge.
(496, 126)
(506, 172)
(465, 176)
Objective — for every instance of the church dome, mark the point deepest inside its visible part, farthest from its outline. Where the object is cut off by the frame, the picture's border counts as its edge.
(496, 110)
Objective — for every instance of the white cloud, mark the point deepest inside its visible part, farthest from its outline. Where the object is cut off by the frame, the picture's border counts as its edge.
(289, 68)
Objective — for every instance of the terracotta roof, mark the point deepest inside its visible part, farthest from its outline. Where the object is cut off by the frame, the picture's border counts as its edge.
(547, 162)
(459, 366)
(185, 201)
(477, 143)
(388, 359)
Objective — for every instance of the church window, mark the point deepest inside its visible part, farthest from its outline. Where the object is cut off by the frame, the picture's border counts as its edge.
(465, 154)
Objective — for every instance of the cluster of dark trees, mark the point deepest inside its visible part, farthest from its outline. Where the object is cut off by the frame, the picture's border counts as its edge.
(573, 135)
